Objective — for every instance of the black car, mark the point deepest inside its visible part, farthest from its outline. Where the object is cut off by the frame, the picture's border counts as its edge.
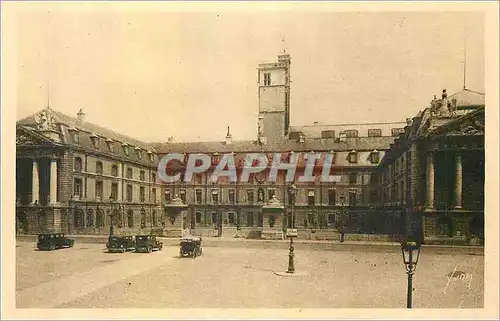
(191, 246)
(120, 244)
(52, 241)
(147, 243)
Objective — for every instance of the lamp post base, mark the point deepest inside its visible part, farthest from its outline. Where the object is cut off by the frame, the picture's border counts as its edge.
(295, 274)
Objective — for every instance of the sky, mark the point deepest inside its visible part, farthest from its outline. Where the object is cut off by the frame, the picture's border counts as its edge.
(151, 74)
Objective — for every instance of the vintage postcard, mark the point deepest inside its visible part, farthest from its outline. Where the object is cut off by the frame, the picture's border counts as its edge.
(249, 160)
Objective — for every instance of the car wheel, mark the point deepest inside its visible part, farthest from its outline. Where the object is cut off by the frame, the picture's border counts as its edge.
(52, 247)
(150, 249)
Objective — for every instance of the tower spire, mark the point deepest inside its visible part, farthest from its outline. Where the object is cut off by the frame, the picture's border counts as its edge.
(283, 44)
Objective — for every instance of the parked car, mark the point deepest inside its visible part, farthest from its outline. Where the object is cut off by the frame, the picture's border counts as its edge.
(52, 241)
(147, 243)
(120, 244)
(191, 246)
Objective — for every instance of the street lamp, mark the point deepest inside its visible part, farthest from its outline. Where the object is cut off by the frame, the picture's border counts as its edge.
(411, 252)
(342, 218)
(291, 233)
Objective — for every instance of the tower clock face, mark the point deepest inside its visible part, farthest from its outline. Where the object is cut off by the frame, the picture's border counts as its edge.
(260, 177)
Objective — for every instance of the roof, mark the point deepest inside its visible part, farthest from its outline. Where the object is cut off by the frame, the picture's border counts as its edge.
(58, 126)
(285, 145)
(315, 131)
(467, 98)
(69, 121)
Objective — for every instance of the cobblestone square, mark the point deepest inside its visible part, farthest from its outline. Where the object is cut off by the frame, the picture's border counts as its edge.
(88, 277)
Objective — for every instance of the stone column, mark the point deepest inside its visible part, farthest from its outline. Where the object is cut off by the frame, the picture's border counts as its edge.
(35, 186)
(53, 181)
(430, 182)
(458, 181)
(119, 192)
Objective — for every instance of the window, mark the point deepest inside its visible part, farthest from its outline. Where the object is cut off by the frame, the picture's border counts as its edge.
(98, 168)
(114, 191)
(114, 170)
(198, 196)
(96, 142)
(353, 177)
(270, 193)
(249, 219)
(331, 196)
(78, 187)
(374, 157)
(139, 152)
(331, 220)
(214, 218)
(182, 195)
(230, 195)
(250, 196)
(78, 164)
(129, 193)
(215, 196)
(90, 217)
(155, 219)
(352, 198)
(129, 172)
(153, 178)
(99, 218)
(151, 157)
(267, 79)
(142, 175)
(310, 197)
(353, 157)
(98, 190)
(109, 143)
(328, 134)
(198, 178)
(374, 132)
(125, 149)
(143, 218)
(397, 131)
(198, 217)
(168, 196)
(153, 195)
(351, 133)
(142, 194)
(130, 218)
(75, 137)
(230, 218)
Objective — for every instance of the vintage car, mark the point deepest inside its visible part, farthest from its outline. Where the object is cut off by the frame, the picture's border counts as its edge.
(147, 243)
(120, 244)
(52, 241)
(191, 246)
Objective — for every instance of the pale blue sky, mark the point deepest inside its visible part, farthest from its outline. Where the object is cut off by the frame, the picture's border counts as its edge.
(189, 75)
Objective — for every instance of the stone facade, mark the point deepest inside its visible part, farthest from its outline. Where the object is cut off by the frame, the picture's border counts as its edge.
(104, 178)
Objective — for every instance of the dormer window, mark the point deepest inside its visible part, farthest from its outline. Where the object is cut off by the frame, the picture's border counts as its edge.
(216, 158)
(342, 137)
(374, 132)
(351, 133)
(110, 144)
(151, 156)
(352, 157)
(139, 152)
(126, 147)
(375, 157)
(95, 141)
(75, 137)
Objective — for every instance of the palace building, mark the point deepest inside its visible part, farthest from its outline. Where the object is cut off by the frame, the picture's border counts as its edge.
(77, 177)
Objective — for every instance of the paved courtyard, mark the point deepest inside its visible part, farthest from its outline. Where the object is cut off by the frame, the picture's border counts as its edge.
(88, 277)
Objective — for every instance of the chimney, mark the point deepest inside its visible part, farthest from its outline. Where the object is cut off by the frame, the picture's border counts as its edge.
(229, 137)
(81, 116)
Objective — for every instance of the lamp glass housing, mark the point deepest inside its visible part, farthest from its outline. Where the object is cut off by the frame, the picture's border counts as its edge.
(411, 252)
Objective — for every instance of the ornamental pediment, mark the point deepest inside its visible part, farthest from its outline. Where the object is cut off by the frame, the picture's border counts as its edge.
(26, 138)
